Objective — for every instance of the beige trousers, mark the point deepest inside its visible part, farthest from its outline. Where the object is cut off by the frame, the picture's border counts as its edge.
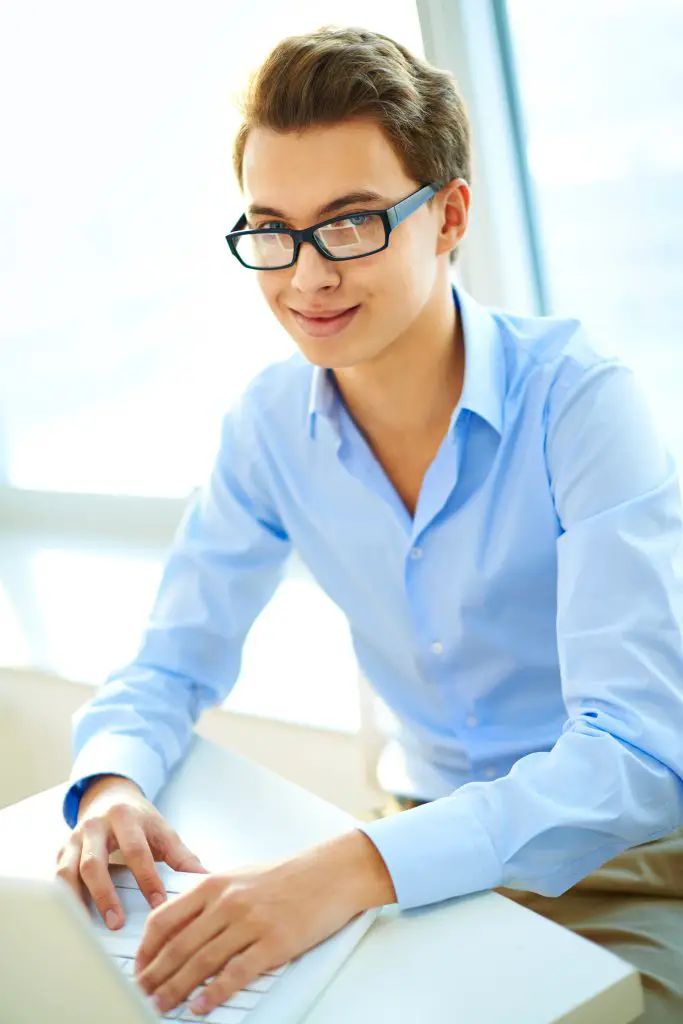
(633, 906)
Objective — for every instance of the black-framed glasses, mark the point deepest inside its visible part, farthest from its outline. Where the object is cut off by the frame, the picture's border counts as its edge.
(348, 237)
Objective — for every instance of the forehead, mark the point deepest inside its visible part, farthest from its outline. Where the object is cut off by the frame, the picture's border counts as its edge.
(297, 172)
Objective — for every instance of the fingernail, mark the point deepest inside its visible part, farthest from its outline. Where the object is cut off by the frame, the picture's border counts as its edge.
(199, 1004)
(112, 918)
(156, 899)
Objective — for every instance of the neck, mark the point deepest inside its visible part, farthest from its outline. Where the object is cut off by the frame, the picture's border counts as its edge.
(407, 394)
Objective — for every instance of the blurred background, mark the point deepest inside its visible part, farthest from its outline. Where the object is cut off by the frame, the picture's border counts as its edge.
(127, 328)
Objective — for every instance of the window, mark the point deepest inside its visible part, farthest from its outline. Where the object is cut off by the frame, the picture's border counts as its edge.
(600, 84)
(126, 327)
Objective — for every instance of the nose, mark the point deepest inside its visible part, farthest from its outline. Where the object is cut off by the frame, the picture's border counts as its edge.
(312, 270)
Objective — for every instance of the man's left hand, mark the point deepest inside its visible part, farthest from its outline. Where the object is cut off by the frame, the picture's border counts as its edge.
(237, 925)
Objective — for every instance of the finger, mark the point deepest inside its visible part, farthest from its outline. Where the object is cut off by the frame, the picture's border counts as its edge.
(135, 850)
(68, 869)
(182, 943)
(240, 970)
(163, 925)
(94, 871)
(180, 973)
(179, 857)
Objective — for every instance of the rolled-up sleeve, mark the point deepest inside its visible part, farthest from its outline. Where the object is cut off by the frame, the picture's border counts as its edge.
(614, 777)
(223, 566)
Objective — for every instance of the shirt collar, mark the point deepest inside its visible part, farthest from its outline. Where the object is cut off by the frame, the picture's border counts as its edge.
(484, 386)
(483, 389)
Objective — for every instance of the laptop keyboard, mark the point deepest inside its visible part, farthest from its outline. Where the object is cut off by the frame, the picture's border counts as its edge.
(235, 1011)
(122, 946)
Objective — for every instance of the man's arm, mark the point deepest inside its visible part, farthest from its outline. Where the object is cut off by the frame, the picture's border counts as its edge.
(223, 566)
(613, 778)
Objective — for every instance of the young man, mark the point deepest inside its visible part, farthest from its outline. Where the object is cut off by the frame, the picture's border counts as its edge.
(484, 496)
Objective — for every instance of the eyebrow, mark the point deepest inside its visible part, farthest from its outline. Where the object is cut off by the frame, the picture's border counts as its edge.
(361, 196)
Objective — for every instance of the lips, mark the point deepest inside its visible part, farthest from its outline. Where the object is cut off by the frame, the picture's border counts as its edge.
(322, 314)
(325, 326)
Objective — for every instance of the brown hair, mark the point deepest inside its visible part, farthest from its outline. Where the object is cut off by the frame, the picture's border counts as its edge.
(335, 73)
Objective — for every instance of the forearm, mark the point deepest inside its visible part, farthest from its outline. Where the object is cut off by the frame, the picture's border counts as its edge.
(553, 819)
(117, 733)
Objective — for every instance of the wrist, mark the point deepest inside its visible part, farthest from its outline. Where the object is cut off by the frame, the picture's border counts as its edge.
(378, 886)
(361, 866)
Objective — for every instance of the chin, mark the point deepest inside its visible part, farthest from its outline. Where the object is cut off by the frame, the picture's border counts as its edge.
(337, 356)
(326, 355)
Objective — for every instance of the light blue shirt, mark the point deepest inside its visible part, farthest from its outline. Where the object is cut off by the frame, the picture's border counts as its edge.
(524, 628)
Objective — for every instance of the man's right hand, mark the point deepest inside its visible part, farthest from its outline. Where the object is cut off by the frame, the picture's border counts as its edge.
(115, 815)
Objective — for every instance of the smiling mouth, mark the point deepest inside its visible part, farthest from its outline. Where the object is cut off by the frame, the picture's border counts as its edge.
(325, 327)
(324, 316)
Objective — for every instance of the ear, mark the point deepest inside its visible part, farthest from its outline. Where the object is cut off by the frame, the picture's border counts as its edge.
(453, 204)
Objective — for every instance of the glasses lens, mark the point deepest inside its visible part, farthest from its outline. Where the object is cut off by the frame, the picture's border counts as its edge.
(266, 249)
(356, 234)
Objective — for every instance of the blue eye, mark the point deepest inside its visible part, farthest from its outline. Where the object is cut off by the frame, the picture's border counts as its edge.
(271, 224)
(357, 219)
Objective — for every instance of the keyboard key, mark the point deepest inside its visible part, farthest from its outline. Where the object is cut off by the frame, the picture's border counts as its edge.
(243, 1000)
(221, 1015)
(133, 901)
(182, 1008)
(117, 944)
(183, 1012)
(226, 1015)
(175, 1012)
(261, 984)
(123, 878)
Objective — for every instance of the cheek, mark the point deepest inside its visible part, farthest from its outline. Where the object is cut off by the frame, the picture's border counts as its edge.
(416, 264)
(381, 281)
(403, 267)
(270, 287)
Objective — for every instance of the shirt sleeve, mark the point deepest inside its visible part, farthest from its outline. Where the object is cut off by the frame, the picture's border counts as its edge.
(222, 568)
(613, 778)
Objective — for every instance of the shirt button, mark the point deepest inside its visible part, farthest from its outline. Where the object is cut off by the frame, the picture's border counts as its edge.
(416, 553)
(437, 648)
(471, 721)
(489, 771)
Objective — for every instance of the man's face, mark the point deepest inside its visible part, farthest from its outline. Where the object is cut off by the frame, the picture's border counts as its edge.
(297, 173)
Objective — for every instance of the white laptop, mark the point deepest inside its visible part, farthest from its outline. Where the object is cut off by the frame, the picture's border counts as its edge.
(59, 965)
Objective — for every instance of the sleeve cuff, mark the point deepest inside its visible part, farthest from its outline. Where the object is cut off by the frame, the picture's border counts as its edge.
(113, 754)
(434, 852)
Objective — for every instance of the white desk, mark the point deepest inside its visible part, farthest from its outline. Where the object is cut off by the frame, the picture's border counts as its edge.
(478, 958)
